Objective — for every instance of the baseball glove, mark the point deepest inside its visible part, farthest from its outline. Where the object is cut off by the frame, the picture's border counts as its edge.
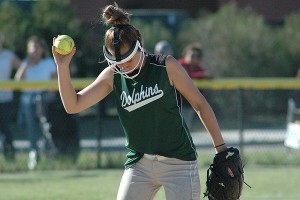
(225, 176)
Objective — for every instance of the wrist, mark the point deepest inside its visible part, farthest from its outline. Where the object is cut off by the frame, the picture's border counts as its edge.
(221, 147)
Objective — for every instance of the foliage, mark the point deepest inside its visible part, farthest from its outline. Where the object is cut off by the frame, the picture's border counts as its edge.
(47, 19)
(237, 43)
(150, 29)
(59, 18)
(14, 29)
(289, 39)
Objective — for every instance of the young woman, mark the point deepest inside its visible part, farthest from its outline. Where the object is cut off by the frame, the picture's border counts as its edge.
(37, 66)
(148, 90)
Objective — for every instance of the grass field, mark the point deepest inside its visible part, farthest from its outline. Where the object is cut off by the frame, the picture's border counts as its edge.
(268, 183)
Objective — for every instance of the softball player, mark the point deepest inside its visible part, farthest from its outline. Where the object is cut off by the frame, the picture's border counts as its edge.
(148, 90)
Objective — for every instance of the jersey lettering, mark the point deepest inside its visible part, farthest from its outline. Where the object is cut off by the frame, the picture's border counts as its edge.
(141, 98)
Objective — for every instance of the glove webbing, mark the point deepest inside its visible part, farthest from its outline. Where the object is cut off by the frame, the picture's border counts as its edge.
(207, 179)
(206, 193)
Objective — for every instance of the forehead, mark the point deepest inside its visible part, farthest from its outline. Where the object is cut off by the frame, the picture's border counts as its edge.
(34, 45)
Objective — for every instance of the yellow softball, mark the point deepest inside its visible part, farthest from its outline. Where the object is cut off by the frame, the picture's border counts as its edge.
(63, 44)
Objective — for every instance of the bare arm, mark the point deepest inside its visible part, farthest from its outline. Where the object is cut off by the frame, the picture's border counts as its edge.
(184, 84)
(76, 102)
(21, 71)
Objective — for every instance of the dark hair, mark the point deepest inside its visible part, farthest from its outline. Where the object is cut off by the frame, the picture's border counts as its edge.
(42, 42)
(128, 35)
(195, 47)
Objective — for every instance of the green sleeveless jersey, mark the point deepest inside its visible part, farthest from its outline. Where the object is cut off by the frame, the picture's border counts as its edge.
(149, 109)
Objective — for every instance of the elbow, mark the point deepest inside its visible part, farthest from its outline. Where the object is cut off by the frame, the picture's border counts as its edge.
(197, 106)
(200, 105)
(71, 111)
(70, 106)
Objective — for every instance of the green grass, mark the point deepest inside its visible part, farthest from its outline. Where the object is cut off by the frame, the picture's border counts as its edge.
(88, 160)
(268, 183)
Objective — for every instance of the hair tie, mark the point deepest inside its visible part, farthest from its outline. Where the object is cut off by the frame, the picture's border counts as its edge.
(219, 145)
(121, 26)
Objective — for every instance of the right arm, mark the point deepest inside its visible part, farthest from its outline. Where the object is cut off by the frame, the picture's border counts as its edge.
(95, 92)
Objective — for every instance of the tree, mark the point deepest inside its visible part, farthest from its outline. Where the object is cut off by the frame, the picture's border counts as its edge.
(152, 32)
(12, 26)
(289, 39)
(54, 17)
(237, 42)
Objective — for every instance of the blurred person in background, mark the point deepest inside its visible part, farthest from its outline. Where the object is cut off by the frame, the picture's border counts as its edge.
(295, 95)
(37, 66)
(64, 129)
(192, 62)
(8, 63)
(163, 47)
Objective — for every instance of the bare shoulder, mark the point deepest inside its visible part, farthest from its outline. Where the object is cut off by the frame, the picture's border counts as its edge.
(170, 60)
(174, 69)
(106, 77)
(173, 65)
(107, 72)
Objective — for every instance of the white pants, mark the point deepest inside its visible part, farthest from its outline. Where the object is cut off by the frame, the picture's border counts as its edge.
(142, 181)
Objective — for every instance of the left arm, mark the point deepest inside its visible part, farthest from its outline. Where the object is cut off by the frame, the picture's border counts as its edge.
(183, 83)
(21, 71)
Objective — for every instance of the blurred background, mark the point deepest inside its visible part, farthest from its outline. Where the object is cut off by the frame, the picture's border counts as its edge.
(241, 40)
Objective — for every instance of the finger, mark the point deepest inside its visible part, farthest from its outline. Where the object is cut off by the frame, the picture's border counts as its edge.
(54, 54)
(73, 51)
(70, 55)
(53, 47)
(53, 40)
(53, 51)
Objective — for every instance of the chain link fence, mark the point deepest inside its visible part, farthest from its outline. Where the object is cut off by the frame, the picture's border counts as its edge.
(255, 120)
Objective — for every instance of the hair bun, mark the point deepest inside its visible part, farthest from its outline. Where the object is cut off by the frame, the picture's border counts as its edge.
(114, 15)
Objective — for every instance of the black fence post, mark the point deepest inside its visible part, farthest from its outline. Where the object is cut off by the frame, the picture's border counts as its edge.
(240, 116)
(100, 115)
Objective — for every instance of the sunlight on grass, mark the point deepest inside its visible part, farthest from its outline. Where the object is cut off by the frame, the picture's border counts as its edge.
(268, 183)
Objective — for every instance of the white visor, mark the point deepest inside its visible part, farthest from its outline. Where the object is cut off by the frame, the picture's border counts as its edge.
(125, 58)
